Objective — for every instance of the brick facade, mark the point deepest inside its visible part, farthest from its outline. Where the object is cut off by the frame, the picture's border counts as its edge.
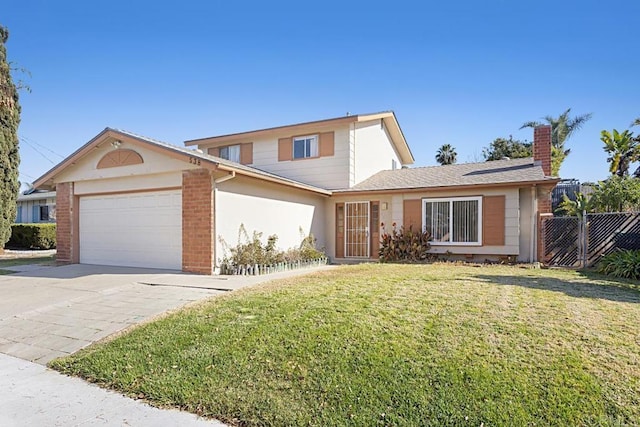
(542, 147)
(198, 236)
(542, 154)
(64, 221)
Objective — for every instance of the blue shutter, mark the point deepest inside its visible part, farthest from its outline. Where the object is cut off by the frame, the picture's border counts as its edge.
(19, 215)
(35, 213)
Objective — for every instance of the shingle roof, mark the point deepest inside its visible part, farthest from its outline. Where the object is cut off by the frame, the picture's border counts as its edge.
(466, 174)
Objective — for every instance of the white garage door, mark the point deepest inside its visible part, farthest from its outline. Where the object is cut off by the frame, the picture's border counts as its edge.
(133, 230)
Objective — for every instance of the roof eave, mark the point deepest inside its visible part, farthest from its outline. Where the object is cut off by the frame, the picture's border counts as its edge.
(268, 131)
(546, 182)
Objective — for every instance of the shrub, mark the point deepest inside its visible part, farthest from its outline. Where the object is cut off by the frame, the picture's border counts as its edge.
(251, 251)
(624, 263)
(33, 236)
(404, 245)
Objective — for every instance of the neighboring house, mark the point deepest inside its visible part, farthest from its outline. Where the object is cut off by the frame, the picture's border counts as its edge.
(124, 199)
(36, 206)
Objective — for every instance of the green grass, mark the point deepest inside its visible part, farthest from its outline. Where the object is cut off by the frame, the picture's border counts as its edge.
(392, 345)
(43, 260)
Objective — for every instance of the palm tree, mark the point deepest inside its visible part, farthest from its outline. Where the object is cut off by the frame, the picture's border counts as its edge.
(623, 149)
(446, 155)
(636, 122)
(562, 127)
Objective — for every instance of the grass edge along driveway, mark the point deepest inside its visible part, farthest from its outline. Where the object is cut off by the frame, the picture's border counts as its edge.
(392, 345)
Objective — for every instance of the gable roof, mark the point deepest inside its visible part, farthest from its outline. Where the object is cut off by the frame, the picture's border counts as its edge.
(208, 161)
(388, 117)
(492, 173)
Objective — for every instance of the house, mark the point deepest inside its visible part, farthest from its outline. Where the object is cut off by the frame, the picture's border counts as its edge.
(36, 206)
(125, 199)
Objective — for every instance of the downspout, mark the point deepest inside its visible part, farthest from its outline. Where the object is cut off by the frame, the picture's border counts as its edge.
(534, 235)
(217, 181)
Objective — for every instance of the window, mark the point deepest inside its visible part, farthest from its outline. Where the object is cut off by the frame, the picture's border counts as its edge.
(394, 165)
(44, 213)
(231, 152)
(455, 220)
(305, 147)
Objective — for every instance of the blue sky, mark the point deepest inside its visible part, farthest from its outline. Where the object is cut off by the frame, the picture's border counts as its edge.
(457, 72)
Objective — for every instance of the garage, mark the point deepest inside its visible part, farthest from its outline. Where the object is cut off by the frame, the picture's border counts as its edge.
(132, 229)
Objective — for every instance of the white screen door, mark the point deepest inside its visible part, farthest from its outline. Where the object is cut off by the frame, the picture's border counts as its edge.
(356, 229)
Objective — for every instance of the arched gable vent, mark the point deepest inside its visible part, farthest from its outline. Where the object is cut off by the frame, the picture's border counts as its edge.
(120, 157)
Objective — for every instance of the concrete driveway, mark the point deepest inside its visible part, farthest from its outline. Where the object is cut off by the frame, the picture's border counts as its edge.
(49, 312)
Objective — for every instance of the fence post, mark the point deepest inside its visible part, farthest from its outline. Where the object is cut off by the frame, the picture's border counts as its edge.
(582, 239)
(585, 240)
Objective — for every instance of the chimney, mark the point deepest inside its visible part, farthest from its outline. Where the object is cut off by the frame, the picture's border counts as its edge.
(542, 148)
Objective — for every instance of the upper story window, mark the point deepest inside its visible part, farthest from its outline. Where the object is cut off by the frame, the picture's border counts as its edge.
(455, 220)
(305, 147)
(230, 152)
(394, 165)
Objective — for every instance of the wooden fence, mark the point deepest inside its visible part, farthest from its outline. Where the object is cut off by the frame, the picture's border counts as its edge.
(581, 242)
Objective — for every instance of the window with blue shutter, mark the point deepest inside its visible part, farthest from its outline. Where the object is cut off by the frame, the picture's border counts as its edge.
(19, 215)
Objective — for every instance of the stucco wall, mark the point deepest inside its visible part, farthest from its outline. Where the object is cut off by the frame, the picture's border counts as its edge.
(372, 150)
(130, 183)
(266, 208)
(526, 222)
(154, 163)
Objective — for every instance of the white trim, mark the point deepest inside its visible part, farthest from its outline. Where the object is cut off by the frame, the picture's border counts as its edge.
(451, 200)
(315, 140)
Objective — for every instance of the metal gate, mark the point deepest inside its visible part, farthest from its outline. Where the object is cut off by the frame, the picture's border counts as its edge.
(582, 241)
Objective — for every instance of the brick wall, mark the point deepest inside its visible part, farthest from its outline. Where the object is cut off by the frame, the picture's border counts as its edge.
(542, 147)
(64, 221)
(197, 222)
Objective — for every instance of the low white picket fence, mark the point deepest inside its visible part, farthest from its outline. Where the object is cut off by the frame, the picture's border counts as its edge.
(260, 269)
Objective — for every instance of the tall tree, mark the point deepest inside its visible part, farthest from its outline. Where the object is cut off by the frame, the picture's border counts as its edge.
(623, 149)
(511, 148)
(562, 127)
(9, 156)
(446, 155)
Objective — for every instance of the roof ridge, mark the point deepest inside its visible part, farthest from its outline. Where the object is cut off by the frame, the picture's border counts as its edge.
(464, 164)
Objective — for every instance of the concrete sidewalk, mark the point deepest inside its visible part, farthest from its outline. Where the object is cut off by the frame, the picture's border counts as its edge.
(32, 395)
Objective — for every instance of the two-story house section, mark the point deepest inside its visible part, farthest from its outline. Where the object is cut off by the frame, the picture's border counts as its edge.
(125, 199)
(332, 154)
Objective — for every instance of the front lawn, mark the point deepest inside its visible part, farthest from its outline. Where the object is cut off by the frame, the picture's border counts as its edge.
(12, 262)
(392, 345)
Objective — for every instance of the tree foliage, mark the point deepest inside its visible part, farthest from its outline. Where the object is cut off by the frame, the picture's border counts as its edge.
(9, 155)
(616, 194)
(574, 207)
(511, 148)
(446, 155)
(562, 127)
(623, 149)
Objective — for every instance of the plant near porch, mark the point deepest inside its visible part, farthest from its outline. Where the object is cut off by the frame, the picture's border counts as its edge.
(250, 256)
(404, 244)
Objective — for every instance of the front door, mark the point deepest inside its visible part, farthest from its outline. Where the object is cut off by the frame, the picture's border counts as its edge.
(356, 229)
